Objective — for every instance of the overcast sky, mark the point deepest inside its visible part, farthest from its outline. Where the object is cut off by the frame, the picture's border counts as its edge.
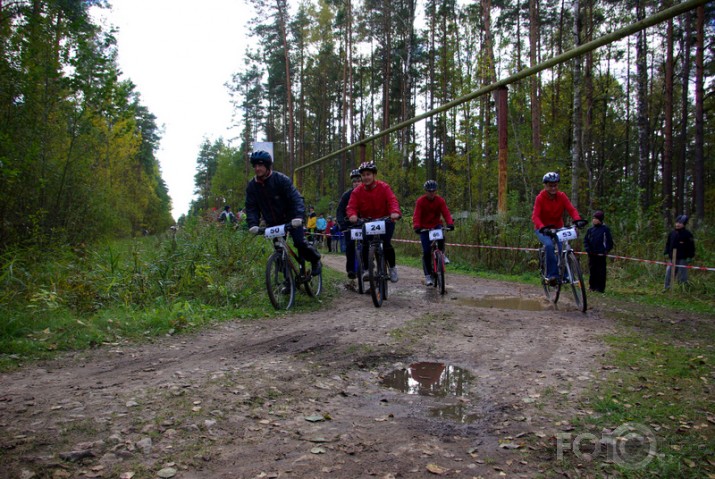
(179, 54)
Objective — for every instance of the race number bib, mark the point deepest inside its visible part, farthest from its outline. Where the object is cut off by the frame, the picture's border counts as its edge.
(275, 231)
(436, 234)
(356, 234)
(375, 228)
(567, 235)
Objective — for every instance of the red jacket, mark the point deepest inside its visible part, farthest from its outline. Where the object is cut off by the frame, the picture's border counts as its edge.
(374, 203)
(428, 212)
(550, 211)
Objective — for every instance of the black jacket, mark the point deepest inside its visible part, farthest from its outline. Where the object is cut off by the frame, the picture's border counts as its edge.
(598, 240)
(683, 241)
(340, 214)
(276, 200)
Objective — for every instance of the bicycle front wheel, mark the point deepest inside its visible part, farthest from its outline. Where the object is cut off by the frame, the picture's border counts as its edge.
(359, 270)
(578, 287)
(280, 282)
(550, 291)
(374, 260)
(438, 266)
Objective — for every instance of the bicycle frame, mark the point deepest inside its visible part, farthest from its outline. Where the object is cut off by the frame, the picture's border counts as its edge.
(437, 255)
(377, 268)
(286, 271)
(568, 267)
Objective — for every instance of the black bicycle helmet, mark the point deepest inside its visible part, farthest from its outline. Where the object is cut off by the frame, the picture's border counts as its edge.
(368, 166)
(430, 185)
(551, 177)
(355, 174)
(261, 157)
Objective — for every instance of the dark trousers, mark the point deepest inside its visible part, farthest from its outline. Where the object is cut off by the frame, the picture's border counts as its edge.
(597, 273)
(427, 251)
(350, 254)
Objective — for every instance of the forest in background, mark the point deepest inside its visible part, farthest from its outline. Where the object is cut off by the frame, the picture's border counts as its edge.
(626, 125)
(77, 147)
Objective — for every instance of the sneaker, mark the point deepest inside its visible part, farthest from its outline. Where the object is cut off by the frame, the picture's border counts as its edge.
(393, 274)
(446, 260)
(352, 275)
(316, 267)
(428, 280)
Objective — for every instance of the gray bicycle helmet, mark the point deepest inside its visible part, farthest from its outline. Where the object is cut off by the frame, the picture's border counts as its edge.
(261, 157)
(430, 185)
(368, 166)
(355, 174)
(551, 177)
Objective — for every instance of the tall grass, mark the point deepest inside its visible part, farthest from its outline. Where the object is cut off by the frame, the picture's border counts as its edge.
(82, 296)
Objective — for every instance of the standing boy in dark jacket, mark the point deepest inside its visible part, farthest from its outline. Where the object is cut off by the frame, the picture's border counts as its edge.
(598, 243)
(682, 240)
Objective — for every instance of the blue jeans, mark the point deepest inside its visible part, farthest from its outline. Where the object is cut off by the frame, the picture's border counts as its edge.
(552, 270)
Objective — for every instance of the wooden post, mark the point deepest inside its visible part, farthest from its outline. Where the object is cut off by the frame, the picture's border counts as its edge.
(672, 269)
(502, 126)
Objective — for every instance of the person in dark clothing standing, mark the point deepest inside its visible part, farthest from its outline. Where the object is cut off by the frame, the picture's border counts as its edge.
(597, 243)
(341, 217)
(682, 242)
(271, 195)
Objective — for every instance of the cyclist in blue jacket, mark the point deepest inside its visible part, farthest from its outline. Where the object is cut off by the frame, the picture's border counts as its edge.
(272, 196)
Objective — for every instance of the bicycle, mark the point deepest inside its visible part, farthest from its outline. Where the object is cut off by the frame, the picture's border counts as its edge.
(569, 268)
(438, 270)
(356, 235)
(378, 274)
(286, 271)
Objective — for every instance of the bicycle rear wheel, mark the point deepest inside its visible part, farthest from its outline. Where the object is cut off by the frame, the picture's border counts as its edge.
(438, 265)
(374, 259)
(550, 291)
(280, 282)
(314, 285)
(578, 287)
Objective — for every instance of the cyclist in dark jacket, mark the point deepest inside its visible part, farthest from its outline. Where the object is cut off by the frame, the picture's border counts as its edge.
(597, 243)
(272, 195)
(342, 220)
(682, 240)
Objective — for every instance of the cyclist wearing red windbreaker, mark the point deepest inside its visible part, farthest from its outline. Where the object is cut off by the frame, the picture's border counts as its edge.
(375, 199)
(549, 208)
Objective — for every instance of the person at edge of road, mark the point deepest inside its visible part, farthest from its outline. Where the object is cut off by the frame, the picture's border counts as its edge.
(430, 208)
(312, 220)
(320, 226)
(341, 217)
(227, 216)
(549, 207)
(272, 195)
(681, 240)
(374, 199)
(597, 243)
(329, 233)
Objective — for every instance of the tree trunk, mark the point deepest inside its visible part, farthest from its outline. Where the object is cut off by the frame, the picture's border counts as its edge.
(643, 123)
(576, 140)
(668, 126)
(282, 11)
(699, 166)
(533, 61)
(681, 162)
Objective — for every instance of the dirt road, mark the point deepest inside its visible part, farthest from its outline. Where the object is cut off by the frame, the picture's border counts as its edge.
(466, 385)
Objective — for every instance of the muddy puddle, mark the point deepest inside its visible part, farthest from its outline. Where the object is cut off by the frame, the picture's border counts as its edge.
(438, 380)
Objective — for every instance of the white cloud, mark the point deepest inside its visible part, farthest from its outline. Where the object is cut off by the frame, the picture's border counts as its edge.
(179, 54)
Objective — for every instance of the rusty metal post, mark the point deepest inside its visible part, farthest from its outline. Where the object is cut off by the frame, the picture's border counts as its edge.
(502, 94)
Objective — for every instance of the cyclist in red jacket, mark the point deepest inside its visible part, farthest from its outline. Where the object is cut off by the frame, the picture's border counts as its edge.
(549, 208)
(430, 208)
(375, 199)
